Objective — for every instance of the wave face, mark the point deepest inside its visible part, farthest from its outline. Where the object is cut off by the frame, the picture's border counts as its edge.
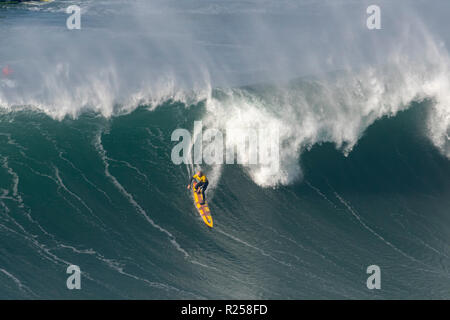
(86, 175)
(104, 195)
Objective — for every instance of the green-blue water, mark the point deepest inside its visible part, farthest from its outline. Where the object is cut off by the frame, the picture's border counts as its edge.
(104, 195)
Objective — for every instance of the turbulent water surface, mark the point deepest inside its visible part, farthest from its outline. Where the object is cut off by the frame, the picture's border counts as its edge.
(86, 175)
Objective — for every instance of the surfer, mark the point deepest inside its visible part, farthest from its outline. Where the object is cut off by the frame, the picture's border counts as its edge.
(202, 184)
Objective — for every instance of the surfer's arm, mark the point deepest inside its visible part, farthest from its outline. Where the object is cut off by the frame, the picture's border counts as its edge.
(190, 182)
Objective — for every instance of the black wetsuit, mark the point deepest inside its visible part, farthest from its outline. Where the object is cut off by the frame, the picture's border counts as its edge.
(202, 185)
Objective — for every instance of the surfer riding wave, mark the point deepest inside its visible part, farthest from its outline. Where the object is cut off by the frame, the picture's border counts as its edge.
(201, 185)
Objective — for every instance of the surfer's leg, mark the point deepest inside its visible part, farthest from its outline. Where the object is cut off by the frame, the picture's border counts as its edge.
(203, 196)
(204, 186)
(199, 186)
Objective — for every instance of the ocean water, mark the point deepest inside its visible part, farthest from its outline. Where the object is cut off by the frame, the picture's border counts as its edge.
(86, 175)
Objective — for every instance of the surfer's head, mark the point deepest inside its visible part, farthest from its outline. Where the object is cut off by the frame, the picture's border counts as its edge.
(200, 173)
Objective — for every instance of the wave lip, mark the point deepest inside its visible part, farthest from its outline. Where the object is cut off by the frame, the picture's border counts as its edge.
(337, 109)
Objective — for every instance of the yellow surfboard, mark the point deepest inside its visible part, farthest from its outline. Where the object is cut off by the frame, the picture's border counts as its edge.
(202, 209)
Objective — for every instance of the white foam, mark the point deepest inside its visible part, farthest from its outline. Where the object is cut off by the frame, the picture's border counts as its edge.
(116, 66)
(334, 109)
